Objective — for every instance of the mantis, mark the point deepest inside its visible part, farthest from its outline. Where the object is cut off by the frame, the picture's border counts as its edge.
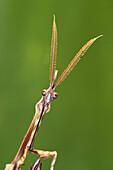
(43, 106)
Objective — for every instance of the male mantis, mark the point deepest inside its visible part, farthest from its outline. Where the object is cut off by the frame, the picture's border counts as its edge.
(43, 106)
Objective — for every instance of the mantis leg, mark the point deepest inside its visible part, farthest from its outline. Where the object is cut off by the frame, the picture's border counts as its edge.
(37, 165)
(46, 154)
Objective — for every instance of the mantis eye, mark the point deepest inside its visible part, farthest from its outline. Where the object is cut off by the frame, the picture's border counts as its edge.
(44, 92)
(55, 95)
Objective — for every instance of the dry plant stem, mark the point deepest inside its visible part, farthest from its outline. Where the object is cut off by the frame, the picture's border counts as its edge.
(43, 106)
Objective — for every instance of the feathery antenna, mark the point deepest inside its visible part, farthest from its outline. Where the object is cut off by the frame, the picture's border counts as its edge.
(53, 52)
(75, 60)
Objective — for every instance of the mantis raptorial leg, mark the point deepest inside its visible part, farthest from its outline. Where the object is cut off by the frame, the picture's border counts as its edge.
(46, 154)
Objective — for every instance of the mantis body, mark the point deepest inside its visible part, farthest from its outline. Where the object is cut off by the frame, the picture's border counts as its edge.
(43, 106)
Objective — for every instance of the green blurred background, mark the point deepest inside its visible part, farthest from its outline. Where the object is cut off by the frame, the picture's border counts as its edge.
(79, 125)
